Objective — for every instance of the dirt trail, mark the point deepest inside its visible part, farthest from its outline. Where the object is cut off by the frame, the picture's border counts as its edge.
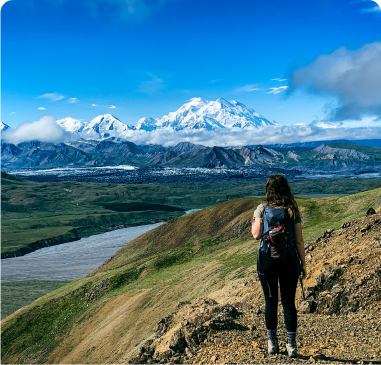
(340, 321)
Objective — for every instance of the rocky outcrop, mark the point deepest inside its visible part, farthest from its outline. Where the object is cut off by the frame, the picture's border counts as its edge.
(98, 290)
(346, 272)
(179, 335)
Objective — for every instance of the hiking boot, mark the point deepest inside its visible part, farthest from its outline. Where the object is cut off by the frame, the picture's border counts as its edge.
(273, 347)
(291, 350)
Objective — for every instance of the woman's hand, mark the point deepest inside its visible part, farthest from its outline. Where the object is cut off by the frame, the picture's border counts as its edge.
(304, 271)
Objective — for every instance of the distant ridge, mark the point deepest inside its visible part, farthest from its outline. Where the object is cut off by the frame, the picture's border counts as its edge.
(187, 147)
(368, 142)
(113, 151)
(314, 144)
(4, 175)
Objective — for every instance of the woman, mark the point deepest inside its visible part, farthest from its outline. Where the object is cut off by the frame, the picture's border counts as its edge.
(278, 224)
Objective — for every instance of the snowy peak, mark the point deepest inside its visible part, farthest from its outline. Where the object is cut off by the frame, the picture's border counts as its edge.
(104, 122)
(105, 126)
(210, 115)
(232, 114)
(71, 125)
(3, 126)
(146, 124)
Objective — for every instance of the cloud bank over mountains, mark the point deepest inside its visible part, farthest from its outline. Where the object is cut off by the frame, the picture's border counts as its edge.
(353, 77)
(45, 129)
(264, 135)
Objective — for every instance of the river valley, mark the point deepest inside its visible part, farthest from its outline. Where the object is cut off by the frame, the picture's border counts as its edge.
(71, 260)
(26, 278)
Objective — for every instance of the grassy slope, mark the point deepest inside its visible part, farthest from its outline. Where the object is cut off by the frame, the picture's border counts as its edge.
(183, 259)
(66, 211)
(21, 293)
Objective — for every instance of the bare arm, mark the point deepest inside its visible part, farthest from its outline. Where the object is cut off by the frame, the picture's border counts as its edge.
(257, 228)
(299, 243)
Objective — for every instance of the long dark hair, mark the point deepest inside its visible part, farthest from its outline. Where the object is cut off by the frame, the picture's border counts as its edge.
(278, 194)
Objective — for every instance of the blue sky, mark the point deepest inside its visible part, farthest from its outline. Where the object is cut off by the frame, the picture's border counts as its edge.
(146, 58)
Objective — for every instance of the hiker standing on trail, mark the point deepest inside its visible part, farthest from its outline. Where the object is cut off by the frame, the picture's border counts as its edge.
(281, 258)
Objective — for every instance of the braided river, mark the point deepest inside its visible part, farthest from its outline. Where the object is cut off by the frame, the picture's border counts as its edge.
(71, 260)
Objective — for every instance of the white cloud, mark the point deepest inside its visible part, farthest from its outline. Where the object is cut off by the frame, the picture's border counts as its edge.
(264, 135)
(44, 129)
(375, 9)
(41, 108)
(93, 104)
(277, 90)
(353, 77)
(281, 80)
(152, 86)
(12, 113)
(52, 96)
(247, 88)
(112, 107)
(72, 100)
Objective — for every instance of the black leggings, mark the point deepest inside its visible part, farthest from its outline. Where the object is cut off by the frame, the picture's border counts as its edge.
(286, 272)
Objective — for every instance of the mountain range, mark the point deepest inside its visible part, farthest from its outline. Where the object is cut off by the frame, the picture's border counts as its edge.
(196, 114)
(113, 152)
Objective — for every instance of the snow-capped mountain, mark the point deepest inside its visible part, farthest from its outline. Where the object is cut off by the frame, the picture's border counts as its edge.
(103, 126)
(209, 115)
(196, 114)
(146, 124)
(71, 125)
(3, 126)
(106, 126)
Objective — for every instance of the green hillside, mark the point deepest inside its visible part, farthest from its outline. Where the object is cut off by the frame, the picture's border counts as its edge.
(104, 316)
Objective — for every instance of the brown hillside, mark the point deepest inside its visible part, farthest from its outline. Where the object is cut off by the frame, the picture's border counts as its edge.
(342, 290)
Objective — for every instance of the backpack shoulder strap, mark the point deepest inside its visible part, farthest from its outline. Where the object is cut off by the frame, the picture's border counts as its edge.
(264, 210)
